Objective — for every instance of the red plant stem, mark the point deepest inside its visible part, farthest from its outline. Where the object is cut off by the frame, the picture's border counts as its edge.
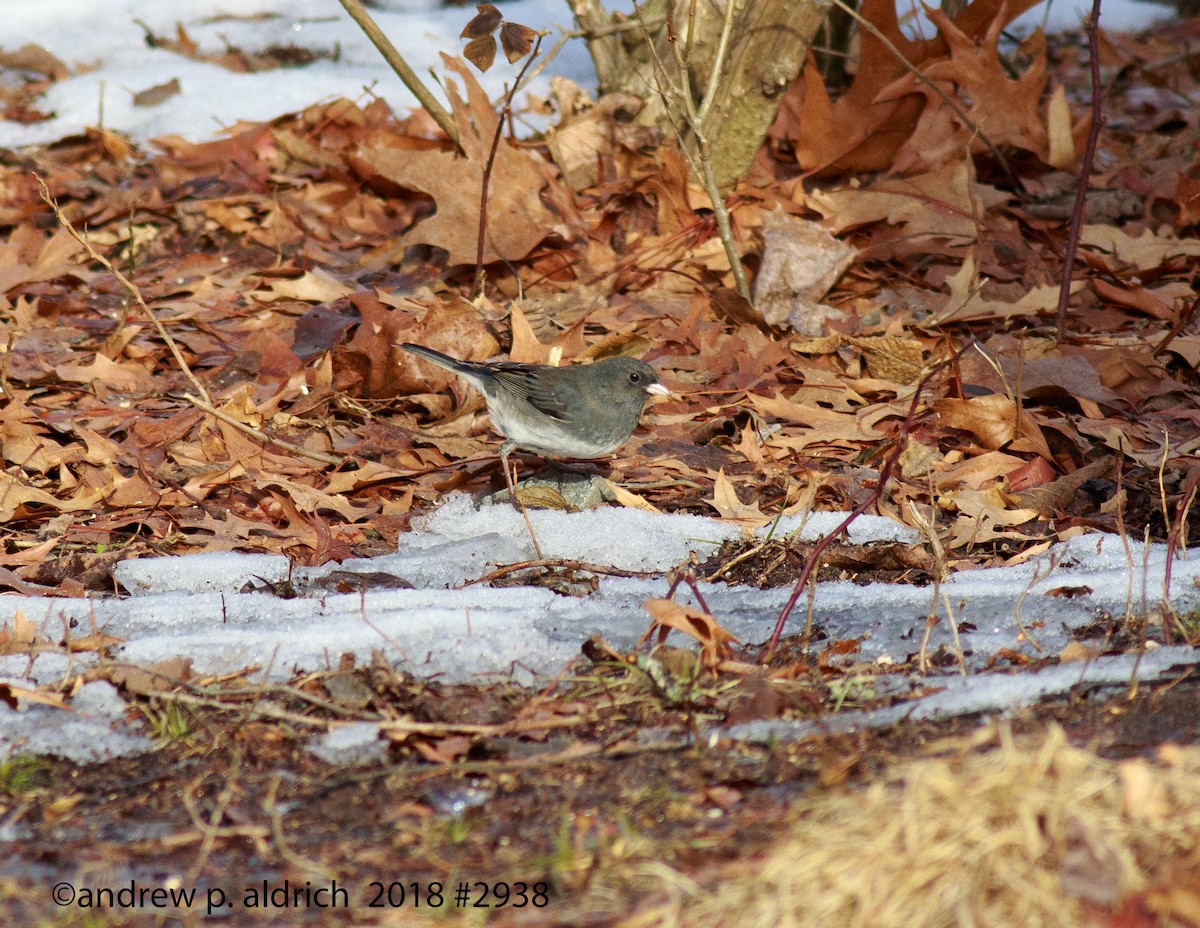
(1085, 170)
(885, 475)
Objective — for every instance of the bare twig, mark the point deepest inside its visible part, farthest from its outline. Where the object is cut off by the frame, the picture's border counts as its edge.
(1085, 169)
(700, 164)
(129, 287)
(1037, 578)
(1175, 538)
(298, 450)
(562, 564)
(1181, 323)
(718, 65)
(208, 832)
(271, 807)
(885, 476)
(257, 710)
(613, 28)
(505, 111)
(688, 576)
(516, 498)
(962, 658)
(406, 74)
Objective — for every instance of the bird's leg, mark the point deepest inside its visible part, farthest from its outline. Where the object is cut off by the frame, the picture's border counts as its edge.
(509, 478)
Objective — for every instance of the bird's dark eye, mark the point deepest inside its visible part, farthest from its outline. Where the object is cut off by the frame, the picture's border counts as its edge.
(635, 376)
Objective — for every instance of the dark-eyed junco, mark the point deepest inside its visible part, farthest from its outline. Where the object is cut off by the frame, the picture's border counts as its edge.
(580, 411)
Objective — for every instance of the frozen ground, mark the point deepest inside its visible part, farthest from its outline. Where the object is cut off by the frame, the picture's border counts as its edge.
(196, 606)
(216, 610)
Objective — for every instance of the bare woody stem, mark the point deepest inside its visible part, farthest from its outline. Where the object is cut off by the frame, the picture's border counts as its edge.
(204, 401)
(406, 74)
(700, 163)
(1085, 170)
(487, 168)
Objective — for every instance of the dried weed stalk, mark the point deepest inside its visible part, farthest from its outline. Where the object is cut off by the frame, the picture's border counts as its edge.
(204, 401)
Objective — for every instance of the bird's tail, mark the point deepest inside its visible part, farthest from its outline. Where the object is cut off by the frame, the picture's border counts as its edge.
(436, 357)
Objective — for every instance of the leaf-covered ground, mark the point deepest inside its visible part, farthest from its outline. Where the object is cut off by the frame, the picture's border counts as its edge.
(287, 260)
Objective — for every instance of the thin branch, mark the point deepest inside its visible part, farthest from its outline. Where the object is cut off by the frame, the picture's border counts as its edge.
(1085, 170)
(129, 287)
(885, 476)
(487, 168)
(702, 169)
(724, 226)
(406, 74)
(295, 449)
(718, 65)
(257, 710)
(614, 28)
(1181, 323)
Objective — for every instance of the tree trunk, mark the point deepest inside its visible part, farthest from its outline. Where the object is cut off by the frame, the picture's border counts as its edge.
(766, 47)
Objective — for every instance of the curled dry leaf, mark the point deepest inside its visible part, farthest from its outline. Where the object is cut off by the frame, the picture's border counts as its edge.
(801, 262)
(516, 40)
(994, 420)
(667, 614)
(482, 23)
(481, 52)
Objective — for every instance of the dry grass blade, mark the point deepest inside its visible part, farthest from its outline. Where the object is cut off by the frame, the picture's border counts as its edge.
(1017, 836)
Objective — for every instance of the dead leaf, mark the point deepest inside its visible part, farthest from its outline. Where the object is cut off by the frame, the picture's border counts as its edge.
(13, 694)
(146, 679)
(942, 206)
(1007, 110)
(517, 218)
(484, 22)
(1056, 497)
(159, 93)
(861, 131)
(892, 357)
(516, 40)
(725, 500)
(993, 419)
(801, 262)
(315, 286)
(1061, 149)
(966, 301)
(629, 500)
(667, 614)
(1144, 253)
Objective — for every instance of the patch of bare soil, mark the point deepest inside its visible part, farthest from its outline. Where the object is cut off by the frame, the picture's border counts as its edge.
(603, 820)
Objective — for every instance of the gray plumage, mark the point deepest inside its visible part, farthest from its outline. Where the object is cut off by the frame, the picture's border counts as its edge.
(580, 411)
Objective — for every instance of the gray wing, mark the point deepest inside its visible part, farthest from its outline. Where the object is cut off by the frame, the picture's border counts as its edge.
(541, 387)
